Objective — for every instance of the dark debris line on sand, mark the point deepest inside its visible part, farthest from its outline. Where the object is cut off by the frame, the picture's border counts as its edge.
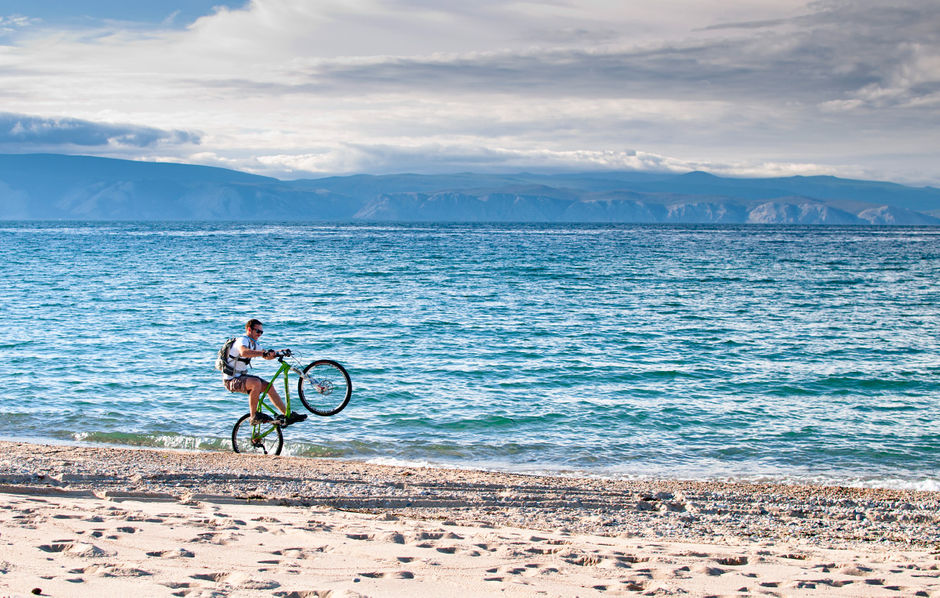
(675, 510)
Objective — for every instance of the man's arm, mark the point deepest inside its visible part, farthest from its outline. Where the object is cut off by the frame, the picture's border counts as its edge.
(247, 353)
(244, 351)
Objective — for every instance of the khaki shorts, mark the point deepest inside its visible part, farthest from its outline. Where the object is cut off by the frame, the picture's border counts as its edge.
(239, 384)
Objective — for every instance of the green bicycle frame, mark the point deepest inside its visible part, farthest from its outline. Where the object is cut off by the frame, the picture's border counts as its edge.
(285, 367)
(256, 429)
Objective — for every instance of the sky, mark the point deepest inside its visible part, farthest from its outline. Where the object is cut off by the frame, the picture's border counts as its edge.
(303, 88)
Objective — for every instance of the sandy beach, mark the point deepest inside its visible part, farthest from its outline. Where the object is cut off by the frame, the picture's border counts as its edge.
(92, 521)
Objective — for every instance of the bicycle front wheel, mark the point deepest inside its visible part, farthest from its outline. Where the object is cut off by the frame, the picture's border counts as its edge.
(263, 439)
(325, 387)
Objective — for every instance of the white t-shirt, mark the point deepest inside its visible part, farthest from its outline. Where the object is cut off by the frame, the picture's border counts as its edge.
(240, 366)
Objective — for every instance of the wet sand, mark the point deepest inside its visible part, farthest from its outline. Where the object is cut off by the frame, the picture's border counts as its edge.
(115, 521)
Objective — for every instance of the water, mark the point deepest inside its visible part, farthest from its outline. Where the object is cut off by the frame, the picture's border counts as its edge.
(758, 353)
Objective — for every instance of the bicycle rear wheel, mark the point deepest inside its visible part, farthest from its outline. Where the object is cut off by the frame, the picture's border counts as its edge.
(263, 439)
(325, 387)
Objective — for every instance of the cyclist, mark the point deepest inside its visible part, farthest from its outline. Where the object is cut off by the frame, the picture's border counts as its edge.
(239, 357)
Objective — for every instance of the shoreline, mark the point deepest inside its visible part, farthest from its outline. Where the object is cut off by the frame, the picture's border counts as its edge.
(871, 481)
(589, 529)
(180, 473)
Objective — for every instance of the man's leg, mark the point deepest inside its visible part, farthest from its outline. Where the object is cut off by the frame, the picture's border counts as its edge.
(255, 386)
(276, 399)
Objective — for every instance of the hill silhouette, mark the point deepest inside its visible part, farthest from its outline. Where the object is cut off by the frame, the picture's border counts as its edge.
(59, 187)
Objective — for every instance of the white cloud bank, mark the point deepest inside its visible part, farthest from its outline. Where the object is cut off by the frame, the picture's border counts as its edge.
(291, 88)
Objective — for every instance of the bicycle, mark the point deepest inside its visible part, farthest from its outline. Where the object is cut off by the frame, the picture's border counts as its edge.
(324, 388)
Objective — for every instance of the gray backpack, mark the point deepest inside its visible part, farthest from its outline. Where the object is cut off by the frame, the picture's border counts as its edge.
(222, 359)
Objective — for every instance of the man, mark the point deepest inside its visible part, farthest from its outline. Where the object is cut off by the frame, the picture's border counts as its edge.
(243, 349)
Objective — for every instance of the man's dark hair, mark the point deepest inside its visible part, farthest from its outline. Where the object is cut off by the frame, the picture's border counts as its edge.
(252, 323)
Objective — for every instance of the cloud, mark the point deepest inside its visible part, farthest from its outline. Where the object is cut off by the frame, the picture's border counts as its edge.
(13, 23)
(845, 55)
(446, 158)
(282, 85)
(30, 132)
(843, 51)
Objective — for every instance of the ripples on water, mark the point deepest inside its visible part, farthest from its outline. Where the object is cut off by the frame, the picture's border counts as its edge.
(805, 354)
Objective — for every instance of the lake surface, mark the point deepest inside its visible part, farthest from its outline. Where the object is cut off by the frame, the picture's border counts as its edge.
(744, 352)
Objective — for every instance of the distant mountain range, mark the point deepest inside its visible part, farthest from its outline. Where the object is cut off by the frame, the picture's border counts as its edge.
(58, 187)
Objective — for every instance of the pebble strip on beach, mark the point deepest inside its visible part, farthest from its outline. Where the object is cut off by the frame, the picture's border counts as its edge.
(681, 510)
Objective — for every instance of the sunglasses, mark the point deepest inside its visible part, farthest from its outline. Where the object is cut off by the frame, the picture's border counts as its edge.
(258, 331)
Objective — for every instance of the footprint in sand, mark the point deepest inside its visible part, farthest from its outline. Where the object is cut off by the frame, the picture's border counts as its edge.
(214, 538)
(855, 570)
(710, 571)
(732, 561)
(213, 577)
(301, 553)
(691, 553)
(204, 538)
(394, 538)
(634, 585)
(244, 581)
(317, 526)
(321, 594)
(582, 560)
(544, 549)
(76, 549)
(112, 570)
(172, 554)
(389, 574)
(436, 535)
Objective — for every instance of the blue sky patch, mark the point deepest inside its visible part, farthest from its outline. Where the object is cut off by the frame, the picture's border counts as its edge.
(176, 14)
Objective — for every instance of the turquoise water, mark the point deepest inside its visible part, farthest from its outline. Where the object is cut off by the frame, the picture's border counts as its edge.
(778, 353)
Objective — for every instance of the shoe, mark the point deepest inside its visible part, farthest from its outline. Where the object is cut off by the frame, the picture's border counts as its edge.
(295, 417)
(261, 418)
